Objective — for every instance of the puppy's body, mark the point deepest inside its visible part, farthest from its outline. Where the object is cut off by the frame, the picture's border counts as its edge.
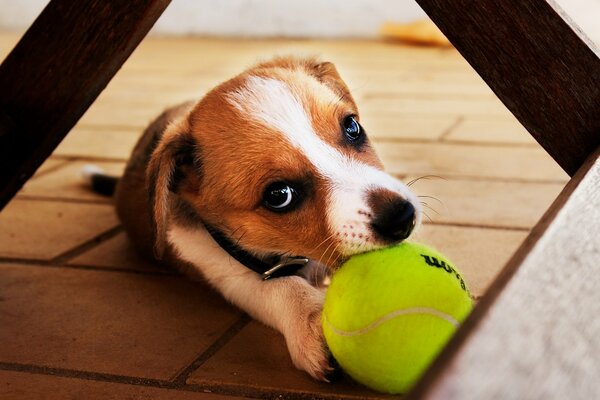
(132, 191)
(275, 161)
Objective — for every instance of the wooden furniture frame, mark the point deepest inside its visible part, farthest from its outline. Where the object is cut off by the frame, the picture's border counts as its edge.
(56, 71)
(534, 333)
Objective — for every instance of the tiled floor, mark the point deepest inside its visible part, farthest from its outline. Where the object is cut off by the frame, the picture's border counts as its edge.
(82, 316)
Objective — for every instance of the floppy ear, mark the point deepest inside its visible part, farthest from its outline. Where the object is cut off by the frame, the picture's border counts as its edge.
(174, 168)
(326, 72)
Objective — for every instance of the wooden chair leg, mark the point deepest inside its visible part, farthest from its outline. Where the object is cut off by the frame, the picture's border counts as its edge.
(533, 334)
(537, 62)
(59, 67)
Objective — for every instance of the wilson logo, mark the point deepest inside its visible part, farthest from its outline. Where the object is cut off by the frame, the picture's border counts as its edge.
(434, 262)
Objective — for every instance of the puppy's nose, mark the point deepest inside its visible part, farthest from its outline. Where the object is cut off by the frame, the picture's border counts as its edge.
(395, 221)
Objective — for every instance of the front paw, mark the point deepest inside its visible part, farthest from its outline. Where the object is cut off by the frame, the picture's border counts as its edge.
(308, 349)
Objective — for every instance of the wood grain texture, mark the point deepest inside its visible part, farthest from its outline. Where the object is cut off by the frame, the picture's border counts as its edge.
(535, 334)
(537, 62)
(55, 72)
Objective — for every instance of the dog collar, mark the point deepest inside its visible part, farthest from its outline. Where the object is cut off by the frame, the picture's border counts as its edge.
(273, 267)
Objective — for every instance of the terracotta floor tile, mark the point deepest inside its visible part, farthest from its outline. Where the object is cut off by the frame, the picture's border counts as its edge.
(45, 229)
(107, 322)
(24, 385)
(66, 182)
(117, 252)
(519, 163)
(506, 130)
(393, 126)
(487, 203)
(103, 142)
(257, 357)
(479, 253)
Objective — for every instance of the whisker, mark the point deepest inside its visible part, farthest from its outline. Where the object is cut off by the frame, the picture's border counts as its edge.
(432, 197)
(326, 250)
(286, 253)
(424, 177)
(335, 262)
(237, 242)
(431, 208)
(323, 242)
(335, 249)
(428, 217)
(319, 271)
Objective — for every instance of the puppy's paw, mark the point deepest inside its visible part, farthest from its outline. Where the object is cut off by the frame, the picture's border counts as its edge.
(308, 349)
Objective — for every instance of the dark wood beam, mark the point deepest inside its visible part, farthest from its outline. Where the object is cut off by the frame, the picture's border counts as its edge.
(59, 67)
(537, 62)
(534, 333)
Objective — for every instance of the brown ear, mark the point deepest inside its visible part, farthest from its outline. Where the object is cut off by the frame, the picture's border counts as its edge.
(327, 73)
(326, 69)
(174, 168)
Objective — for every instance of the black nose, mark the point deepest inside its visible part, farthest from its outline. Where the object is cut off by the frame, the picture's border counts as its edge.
(395, 221)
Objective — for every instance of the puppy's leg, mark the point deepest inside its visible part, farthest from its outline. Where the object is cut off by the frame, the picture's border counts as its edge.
(289, 304)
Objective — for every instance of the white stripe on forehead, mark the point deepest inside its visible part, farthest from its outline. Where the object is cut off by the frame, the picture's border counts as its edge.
(270, 101)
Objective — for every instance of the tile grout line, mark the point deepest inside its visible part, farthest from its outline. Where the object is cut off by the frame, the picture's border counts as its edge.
(70, 158)
(369, 96)
(441, 140)
(62, 199)
(182, 377)
(48, 264)
(49, 170)
(459, 120)
(87, 245)
(272, 394)
(87, 375)
(219, 389)
(511, 145)
(479, 226)
(109, 128)
(474, 178)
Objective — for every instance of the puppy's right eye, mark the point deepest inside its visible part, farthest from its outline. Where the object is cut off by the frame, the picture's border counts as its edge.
(280, 196)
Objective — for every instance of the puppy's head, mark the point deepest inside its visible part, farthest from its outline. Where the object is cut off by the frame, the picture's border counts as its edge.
(276, 159)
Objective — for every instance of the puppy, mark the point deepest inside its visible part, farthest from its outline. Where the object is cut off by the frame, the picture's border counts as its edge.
(269, 176)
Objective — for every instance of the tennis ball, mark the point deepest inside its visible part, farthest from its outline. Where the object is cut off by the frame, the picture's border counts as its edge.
(389, 312)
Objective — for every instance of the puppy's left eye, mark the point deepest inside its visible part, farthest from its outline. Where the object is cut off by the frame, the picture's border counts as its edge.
(352, 130)
(280, 196)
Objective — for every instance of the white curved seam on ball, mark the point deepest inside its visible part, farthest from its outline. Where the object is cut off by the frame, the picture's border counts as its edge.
(392, 315)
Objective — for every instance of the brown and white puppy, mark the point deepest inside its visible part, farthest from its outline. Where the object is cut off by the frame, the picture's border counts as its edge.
(276, 161)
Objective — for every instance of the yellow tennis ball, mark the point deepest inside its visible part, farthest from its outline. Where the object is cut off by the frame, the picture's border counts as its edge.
(389, 312)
